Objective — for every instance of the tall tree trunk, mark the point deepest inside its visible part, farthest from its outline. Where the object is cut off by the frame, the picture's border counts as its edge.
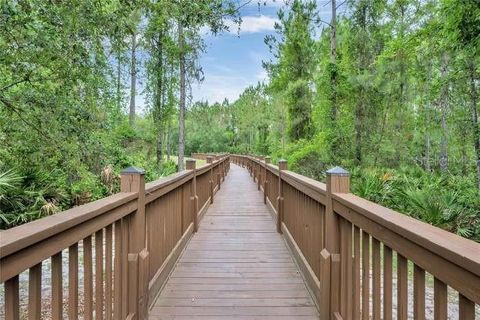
(399, 138)
(443, 103)
(119, 83)
(133, 84)
(427, 141)
(167, 139)
(358, 129)
(159, 103)
(427, 107)
(333, 58)
(361, 96)
(181, 106)
(474, 112)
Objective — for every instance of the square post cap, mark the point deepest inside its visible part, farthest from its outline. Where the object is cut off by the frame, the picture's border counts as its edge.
(338, 171)
(282, 164)
(268, 159)
(132, 170)
(191, 164)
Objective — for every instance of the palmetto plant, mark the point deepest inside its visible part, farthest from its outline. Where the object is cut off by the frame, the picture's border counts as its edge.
(439, 200)
(20, 203)
(9, 182)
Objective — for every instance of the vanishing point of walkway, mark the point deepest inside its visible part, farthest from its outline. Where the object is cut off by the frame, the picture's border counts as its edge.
(236, 266)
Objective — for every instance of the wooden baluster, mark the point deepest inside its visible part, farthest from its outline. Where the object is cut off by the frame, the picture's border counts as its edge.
(365, 276)
(191, 165)
(99, 274)
(210, 181)
(418, 293)
(387, 283)
(108, 272)
(440, 311)
(57, 287)
(88, 277)
(219, 178)
(12, 301)
(125, 240)
(35, 292)
(73, 282)
(265, 181)
(338, 181)
(356, 273)
(466, 309)
(376, 280)
(117, 272)
(259, 170)
(282, 165)
(402, 287)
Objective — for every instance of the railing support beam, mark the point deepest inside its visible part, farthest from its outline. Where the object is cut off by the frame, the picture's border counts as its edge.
(338, 181)
(210, 161)
(282, 165)
(133, 180)
(192, 165)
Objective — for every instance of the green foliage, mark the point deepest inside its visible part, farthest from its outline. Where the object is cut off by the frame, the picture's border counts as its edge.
(299, 104)
(449, 202)
(291, 76)
(400, 93)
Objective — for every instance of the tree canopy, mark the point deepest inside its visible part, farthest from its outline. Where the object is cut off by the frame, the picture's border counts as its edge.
(387, 89)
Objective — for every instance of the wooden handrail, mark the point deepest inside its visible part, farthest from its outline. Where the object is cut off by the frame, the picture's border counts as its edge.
(156, 189)
(137, 236)
(18, 238)
(461, 251)
(334, 235)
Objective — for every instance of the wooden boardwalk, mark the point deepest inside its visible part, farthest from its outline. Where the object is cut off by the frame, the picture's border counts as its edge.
(236, 266)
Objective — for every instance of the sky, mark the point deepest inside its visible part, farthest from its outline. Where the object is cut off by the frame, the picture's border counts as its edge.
(233, 60)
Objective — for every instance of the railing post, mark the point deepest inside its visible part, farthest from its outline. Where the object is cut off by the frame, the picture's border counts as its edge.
(224, 167)
(259, 175)
(192, 165)
(210, 161)
(324, 298)
(133, 180)
(282, 165)
(252, 163)
(338, 181)
(265, 181)
(219, 172)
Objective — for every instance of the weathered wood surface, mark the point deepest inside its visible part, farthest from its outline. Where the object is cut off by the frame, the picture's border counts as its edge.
(236, 266)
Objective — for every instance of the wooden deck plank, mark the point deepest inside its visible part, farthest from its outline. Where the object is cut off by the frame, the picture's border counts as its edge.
(237, 266)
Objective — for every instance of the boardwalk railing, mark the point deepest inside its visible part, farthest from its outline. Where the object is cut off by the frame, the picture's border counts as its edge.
(117, 251)
(354, 253)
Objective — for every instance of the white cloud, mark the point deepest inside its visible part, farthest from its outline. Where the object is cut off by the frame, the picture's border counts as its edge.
(217, 87)
(262, 75)
(266, 3)
(253, 24)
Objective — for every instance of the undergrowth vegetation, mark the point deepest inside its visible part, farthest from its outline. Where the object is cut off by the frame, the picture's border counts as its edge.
(40, 189)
